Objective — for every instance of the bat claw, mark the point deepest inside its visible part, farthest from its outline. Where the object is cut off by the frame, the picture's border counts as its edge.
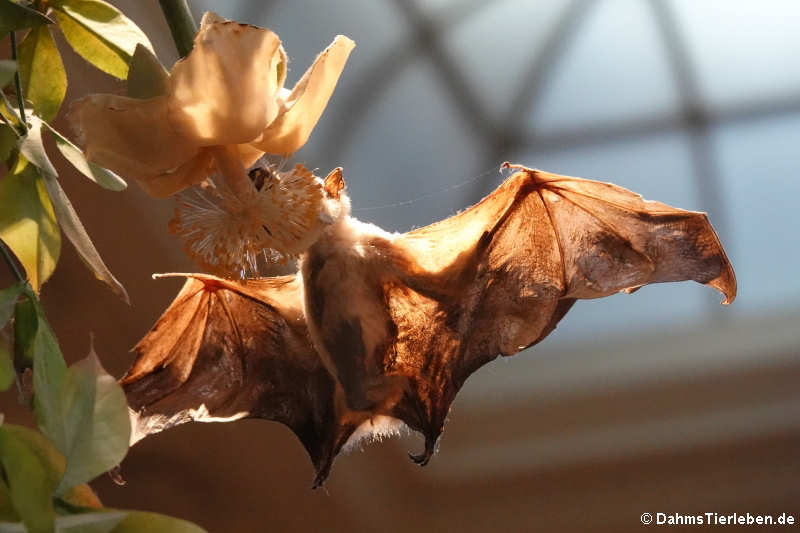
(423, 458)
(322, 466)
(321, 477)
(420, 459)
(319, 480)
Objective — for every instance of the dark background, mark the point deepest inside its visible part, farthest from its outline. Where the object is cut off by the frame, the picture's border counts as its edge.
(661, 401)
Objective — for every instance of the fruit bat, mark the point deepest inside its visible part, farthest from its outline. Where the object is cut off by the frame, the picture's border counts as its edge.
(378, 330)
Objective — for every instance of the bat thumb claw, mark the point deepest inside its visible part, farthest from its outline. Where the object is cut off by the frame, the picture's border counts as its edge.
(509, 165)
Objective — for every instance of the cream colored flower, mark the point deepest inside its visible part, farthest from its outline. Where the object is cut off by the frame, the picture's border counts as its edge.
(225, 107)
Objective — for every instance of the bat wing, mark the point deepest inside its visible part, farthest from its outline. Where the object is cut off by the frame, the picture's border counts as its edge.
(497, 277)
(225, 350)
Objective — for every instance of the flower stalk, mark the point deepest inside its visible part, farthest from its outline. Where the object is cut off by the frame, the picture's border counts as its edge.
(181, 24)
(234, 175)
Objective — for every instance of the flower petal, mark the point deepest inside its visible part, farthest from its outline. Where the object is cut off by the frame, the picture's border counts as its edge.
(224, 91)
(128, 135)
(209, 17)
(193, 171)
(248, 154)
(307, 101)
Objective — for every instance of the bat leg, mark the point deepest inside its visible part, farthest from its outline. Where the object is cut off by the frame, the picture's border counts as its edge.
(386, 390)
(322, 475)
(432, 432)
(323, 461)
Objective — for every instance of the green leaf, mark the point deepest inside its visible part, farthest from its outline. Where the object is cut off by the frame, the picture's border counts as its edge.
(28, 223)
(15, 16)
(53, 463)
(26, 323)
(104, 178)
(49, 374)
(97, 522)
(80, 496)
(8, 141)
(96, 423)
(147, 77)
(76, 233)
(138, 521)
(8, 112)
(44, 80)
(30, 487)
(6, 366)
(33, 149)
(7, 512)
(8, 299)
(19, 527)
(82, 410)
(100, 33)
(125, 522)
(7, 70)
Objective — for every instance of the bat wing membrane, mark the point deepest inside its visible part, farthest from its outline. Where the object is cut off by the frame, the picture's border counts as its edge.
(225, 350)
(542, 238)
(497, 277)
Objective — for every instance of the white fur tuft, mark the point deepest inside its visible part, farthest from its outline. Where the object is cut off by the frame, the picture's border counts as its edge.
(377, 428)
(144, 425)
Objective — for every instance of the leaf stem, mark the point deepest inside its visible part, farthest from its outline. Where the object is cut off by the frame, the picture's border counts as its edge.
(181, 24)
(10, 261)
(18, 85)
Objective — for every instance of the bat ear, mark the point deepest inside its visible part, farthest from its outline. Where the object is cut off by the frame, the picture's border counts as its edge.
(334, 183)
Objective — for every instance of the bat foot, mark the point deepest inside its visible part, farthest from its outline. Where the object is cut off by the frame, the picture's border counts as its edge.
(323, 470)
(423, 458)
(321, 477)
(420, 459)
(319, 481)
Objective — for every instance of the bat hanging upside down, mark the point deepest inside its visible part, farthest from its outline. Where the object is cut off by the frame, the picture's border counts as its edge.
(380, 330)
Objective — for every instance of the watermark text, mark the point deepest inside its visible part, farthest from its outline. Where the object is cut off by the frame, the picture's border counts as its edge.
(717, 519)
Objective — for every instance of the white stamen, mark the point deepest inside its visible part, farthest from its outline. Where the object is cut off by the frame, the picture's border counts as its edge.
(227, 232)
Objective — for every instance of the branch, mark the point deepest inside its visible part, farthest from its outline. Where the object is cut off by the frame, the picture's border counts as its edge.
(181, 24)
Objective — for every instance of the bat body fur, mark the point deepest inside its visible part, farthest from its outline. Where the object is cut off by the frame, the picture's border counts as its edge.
(378, 331)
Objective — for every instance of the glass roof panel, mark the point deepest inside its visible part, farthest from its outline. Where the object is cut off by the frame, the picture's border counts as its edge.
(411, 144)
(495, 51)
(742, 50)
(307, 26)
(760, 164)
(614, 69)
